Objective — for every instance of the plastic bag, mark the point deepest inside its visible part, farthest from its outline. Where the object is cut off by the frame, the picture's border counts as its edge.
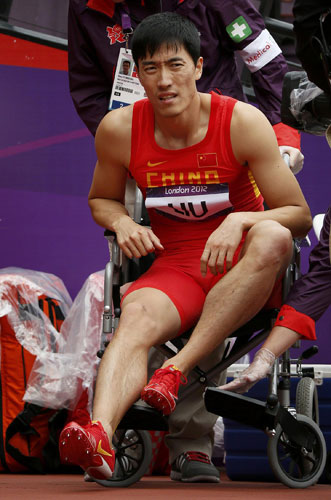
(19, 293)
(300, 97)
(57, 380)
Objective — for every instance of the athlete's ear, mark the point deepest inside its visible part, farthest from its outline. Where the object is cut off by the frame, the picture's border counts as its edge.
(198, 68)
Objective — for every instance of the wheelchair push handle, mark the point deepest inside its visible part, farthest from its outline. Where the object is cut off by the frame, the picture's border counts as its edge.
(308, 353)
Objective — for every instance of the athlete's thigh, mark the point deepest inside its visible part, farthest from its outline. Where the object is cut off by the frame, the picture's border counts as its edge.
(173, 297)
(157, 305)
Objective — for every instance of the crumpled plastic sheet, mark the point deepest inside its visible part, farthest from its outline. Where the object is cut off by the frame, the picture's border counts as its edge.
(57, 380)
(299, 98)
(19, 293)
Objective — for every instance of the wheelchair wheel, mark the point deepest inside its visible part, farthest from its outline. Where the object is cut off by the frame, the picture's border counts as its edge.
(307, 399)
(293, 465)
(328, 467)
(133, 456)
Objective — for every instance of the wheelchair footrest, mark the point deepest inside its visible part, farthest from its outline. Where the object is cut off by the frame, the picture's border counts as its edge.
(248, 411)
(142, 417)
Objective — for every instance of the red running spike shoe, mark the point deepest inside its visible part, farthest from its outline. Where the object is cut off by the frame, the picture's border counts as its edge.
(87, 446)
(162, 390)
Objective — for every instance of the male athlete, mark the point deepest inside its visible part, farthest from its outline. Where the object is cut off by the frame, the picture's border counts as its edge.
(203, 163)
(228, 31)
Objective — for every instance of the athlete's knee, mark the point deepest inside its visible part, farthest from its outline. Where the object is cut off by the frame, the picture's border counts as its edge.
(136, 322)
(271, 245)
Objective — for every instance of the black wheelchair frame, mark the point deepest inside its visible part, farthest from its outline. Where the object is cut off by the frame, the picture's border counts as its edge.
(296, 445)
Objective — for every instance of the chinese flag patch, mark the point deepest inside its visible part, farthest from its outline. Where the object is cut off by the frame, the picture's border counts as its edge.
(207, 160)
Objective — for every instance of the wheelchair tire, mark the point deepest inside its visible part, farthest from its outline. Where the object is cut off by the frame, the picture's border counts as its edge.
(290, 464)
(328, 468)
(307, 399)
(133, 457)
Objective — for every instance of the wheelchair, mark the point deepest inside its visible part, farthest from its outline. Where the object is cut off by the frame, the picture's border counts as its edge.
(296, 445)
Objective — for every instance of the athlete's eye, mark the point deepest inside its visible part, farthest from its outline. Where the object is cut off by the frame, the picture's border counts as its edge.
(150, 69)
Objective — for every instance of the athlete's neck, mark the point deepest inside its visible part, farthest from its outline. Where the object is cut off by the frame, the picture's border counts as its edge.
(185, 129)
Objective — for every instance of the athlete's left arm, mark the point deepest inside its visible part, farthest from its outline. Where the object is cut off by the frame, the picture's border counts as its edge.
(254, 144)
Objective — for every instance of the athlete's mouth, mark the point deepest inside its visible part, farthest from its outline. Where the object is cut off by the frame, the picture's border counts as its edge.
(167, 97)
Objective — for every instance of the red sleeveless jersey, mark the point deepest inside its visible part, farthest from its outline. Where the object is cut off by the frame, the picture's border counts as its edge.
(188, 192)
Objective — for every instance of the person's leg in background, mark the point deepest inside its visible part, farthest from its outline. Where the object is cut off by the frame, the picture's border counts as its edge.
(191, 436)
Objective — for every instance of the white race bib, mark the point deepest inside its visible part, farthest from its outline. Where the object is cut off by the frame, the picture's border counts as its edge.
(190, 202)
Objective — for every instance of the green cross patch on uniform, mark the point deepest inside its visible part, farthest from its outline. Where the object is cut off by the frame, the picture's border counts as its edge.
(239, 29)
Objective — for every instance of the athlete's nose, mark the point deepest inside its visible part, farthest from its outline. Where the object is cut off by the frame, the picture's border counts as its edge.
(164, 77)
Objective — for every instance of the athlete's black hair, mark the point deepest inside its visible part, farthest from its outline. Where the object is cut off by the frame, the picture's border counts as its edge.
(165, 28)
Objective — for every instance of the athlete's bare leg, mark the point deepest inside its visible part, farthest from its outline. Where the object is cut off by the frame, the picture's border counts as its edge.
(148, 318)
(241, 294)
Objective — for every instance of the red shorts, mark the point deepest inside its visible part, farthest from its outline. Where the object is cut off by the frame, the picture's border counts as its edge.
(177, 274)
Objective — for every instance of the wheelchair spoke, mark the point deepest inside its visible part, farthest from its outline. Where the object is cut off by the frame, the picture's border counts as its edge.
(126, 465)
(130, 445)
(285, 457)
(119, 439)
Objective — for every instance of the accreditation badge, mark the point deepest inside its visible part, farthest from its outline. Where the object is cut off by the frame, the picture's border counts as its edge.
(127, 88)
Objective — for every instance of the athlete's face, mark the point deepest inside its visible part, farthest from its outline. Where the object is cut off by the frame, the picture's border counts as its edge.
(169, 78)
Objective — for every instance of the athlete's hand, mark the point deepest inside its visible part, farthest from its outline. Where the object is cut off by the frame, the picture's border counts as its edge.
(135, 240)
(221, 245)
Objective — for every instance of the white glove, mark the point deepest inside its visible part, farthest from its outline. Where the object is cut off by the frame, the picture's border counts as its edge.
(296, 158)
(258, 369)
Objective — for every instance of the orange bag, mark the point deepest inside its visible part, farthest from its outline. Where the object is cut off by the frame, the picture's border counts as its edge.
(28, 433)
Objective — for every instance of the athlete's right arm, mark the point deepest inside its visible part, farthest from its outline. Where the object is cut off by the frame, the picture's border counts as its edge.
(107, 192)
